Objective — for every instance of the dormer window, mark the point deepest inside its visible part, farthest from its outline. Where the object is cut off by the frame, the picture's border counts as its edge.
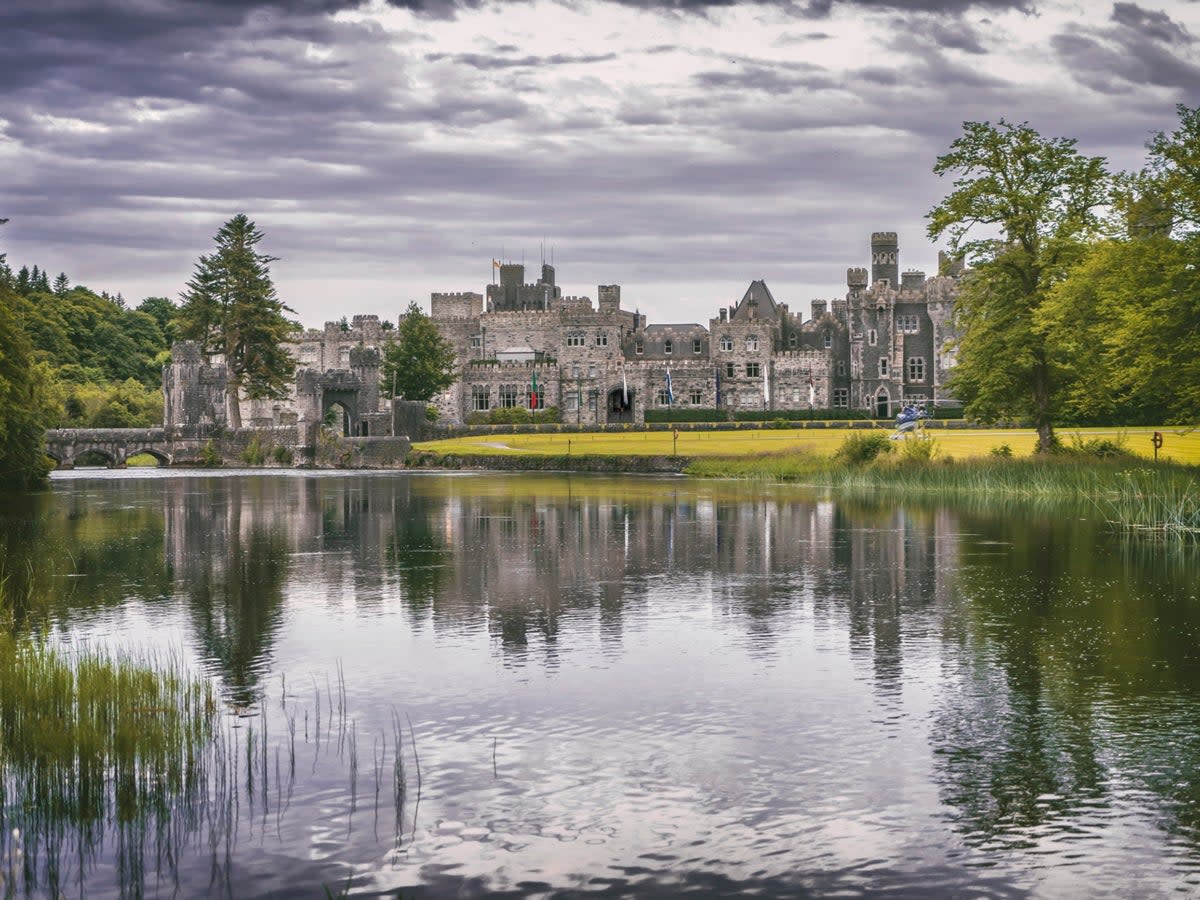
(668, 346)
(638, 348)
(828, 337)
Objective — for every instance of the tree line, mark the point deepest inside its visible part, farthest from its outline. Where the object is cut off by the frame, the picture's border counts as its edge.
(1082, 304)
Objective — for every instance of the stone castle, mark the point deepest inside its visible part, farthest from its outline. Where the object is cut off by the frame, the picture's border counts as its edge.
(885, 343)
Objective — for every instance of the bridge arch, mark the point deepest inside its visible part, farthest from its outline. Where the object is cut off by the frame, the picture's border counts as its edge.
(87, 456)
(161, 457)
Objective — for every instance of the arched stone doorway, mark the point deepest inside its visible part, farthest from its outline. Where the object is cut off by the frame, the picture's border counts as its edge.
(883, 405)
(619, 406)
(338, 417)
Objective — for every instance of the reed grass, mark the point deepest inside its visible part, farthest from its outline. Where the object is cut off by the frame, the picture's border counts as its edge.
(1128, 492)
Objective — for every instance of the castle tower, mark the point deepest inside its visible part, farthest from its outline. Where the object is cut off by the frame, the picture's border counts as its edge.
(885, 258)
(856, 279)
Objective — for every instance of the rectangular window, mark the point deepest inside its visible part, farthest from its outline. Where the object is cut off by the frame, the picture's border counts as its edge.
(829, 339)
(509, 397)
(872, 338)
(795, 395)
(908, 324)
(602, 340)
(662, 399)
(697, 346)
(694, 397)
(726, 343)
(592, 401)
(591, 371)
(730, 370)
(668, 347)
(753, 370)
(638, 347)
(841, 367)
(883, 367)
(916, 368)
(476, 341)
(574, 371)
(841, 398)
(571, 402)
(480, 399)
(574, 340)
(792, 340)
(541, 399)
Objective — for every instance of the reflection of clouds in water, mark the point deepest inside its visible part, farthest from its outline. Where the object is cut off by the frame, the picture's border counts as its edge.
(658, 683)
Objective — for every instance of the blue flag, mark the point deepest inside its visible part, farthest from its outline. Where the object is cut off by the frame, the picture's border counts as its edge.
(670, 393)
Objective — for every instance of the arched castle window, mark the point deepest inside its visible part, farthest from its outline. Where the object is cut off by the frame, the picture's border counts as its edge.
(575, 339)
(883, 367)
(752, 342)
(726, 343)
(828, 338)
(602, 339)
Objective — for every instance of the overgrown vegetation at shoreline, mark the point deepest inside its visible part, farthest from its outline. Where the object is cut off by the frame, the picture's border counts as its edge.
(1129, 491)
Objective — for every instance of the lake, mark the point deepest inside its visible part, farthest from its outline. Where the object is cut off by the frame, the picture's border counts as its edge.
(509, 685)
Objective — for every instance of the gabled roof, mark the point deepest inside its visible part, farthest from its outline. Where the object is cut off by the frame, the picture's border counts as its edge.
(759, 296)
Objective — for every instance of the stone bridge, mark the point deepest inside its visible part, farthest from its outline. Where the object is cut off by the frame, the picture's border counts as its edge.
(114, 446)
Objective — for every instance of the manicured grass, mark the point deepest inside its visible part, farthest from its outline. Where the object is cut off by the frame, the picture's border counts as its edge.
(1179, 445)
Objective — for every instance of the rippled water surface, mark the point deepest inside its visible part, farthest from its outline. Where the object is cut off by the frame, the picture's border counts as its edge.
(634, 687)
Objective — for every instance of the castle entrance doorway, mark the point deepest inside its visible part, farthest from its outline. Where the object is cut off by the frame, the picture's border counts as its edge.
(883, 406)
(620, 406)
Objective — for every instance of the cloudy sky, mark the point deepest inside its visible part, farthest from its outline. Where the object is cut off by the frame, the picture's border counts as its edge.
(680, 148)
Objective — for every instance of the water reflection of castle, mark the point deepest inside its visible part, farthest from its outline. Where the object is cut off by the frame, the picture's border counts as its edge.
(517, 556)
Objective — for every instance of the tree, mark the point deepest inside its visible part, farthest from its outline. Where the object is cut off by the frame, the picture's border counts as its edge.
(62, 284)
(1037, 199)
(1127, 319)
(22, 414)
(419, 362)
(231, 307)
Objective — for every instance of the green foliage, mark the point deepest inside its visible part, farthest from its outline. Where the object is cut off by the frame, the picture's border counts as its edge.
(283, 455)
(255, 453)
(686, 414)
(863, 447)
(127, 404)
(431, 413)
(1041, 196)
(22, 407)
(1003, 451)
(231, 307)
(210, 457)
(419, 362)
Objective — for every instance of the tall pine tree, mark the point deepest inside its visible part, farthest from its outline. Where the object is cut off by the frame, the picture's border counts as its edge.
(231, 307)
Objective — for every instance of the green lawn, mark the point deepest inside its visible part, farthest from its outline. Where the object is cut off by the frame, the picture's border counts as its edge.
(1179, 444)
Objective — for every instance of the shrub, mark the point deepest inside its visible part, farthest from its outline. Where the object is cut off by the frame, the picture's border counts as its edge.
(431, 413)
(209, 457)
(917, 451)
(863, 447)
(1100, 448)
(255, 453)
(1003, 450)
(283, 455)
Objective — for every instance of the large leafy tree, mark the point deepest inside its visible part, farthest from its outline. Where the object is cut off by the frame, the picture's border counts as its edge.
(1127, 319)
(1021, 212)
(22, 414)
(419, 362)
(231, 307)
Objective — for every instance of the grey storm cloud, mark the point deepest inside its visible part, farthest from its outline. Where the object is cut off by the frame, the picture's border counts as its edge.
(132, 129)
(1142, 47)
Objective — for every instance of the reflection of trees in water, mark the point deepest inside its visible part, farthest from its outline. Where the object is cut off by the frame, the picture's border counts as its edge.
(92, 551)
(233, 567)
(1065, 669)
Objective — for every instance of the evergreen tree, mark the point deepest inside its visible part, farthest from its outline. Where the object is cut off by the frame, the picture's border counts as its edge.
(231, 307)
(62, 284)
(1041, 195)
(23, 286)
(22, 418)
(419, 363)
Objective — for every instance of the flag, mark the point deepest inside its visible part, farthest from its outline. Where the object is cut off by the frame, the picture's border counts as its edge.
(533, 396)
(624, 389)
(670, 393)
(812, 391)
(766, 385)
(718, 370)
(495, 263)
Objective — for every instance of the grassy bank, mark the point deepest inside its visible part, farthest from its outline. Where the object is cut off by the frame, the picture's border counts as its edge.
(1180, 445)
(1127, 490)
